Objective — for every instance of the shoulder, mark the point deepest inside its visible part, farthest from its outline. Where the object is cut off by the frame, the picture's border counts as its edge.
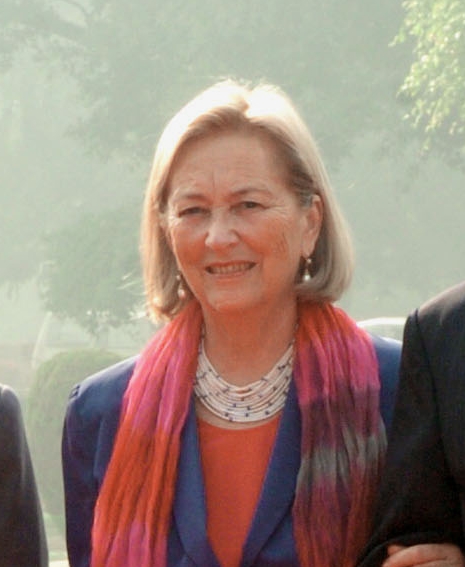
(92, 418)
(439, 323)
(388, 352)
(102, 392)
(446, 308)
(11, 419)
(9, 404)
(12, 432)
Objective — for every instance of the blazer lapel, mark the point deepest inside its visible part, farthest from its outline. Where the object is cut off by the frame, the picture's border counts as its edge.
(189, 505)
(279, 487)
(275, 501)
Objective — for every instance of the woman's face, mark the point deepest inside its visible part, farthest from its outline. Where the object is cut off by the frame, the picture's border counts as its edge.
(236, 229)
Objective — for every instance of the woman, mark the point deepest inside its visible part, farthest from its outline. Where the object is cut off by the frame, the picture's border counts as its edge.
(248, 431)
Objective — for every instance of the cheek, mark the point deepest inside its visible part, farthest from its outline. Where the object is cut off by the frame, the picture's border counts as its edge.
(283, 235)
(186, 244)
(281, 244)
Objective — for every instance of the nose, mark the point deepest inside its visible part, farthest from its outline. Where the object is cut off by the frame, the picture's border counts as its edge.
(221, 231)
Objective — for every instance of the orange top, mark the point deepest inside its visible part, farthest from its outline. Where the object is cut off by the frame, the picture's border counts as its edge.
(234, 463)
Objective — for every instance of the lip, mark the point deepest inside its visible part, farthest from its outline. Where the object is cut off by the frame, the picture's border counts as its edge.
(230, 268)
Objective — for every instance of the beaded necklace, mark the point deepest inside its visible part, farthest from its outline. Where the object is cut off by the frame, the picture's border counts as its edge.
(259, 400)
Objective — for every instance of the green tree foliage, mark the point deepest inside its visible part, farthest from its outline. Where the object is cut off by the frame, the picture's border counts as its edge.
(135, 63)
(46, 406)
(125, 68)
(92, 270)
(47, 180)
(435, 83)
(117, 70)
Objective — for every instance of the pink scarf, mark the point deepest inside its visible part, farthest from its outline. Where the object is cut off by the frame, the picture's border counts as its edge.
(336, 377)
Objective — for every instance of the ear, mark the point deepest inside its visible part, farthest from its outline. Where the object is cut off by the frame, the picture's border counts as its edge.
(313, 219)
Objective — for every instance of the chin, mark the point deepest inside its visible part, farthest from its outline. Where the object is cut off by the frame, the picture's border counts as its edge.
(231, 305)
(228, 307)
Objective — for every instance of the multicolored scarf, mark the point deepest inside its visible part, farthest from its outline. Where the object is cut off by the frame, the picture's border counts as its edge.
(343, 442)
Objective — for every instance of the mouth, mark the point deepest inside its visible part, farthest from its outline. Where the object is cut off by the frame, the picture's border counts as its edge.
(230, 269)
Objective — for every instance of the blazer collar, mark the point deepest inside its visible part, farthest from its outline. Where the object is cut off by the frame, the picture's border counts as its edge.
(274, 503)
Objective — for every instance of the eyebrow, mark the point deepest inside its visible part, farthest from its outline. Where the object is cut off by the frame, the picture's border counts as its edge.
(193, 195)
(187, 196)
(251, 189)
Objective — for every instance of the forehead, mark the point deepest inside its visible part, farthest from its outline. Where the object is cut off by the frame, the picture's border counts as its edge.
(228, 156)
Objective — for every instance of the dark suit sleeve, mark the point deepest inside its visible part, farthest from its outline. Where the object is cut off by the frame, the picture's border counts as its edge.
(418, 500)
(22, 536)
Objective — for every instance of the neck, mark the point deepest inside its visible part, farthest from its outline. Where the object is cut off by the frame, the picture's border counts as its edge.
(242, 349)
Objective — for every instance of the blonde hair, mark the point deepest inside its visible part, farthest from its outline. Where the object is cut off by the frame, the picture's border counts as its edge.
(264, 109)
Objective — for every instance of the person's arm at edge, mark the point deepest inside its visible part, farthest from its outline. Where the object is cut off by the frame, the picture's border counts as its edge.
(417, 501)
(22, 533)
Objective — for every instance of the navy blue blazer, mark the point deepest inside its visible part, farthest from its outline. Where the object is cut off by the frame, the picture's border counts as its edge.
(90, 427)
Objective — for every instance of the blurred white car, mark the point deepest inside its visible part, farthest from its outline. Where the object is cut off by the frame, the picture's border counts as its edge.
(392, 327)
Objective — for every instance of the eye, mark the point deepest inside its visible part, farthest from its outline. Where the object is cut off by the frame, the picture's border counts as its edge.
(247, 205)
(191, 211)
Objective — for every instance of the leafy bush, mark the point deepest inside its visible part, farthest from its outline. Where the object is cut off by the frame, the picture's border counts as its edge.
(46, 407)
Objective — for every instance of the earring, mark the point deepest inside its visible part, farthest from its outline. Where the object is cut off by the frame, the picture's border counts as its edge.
(307, 276)
(181, 287)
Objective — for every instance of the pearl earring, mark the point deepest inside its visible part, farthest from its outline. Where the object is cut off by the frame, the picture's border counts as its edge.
(307, 276)
(181, 287)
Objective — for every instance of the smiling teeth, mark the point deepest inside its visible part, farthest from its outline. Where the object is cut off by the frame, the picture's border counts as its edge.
(230, 269)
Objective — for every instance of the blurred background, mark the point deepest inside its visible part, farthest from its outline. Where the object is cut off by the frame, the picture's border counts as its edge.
(86, 87)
